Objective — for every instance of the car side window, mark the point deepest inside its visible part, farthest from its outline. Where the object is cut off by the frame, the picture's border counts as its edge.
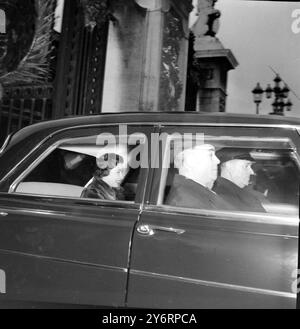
(222, 173)
(94, 167)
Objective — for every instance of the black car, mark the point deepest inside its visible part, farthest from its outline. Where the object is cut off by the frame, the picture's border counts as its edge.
(59, 247)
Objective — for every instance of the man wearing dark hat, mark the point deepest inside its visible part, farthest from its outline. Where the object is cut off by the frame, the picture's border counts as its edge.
(236, 171)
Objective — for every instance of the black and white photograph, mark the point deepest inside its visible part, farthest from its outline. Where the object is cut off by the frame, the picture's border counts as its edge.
(149, 157)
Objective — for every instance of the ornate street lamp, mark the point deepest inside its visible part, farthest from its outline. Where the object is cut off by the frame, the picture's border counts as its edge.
(257, 96)
(279, 93)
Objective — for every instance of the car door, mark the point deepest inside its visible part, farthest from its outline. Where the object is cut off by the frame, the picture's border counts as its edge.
(65, 249)
(200, 258)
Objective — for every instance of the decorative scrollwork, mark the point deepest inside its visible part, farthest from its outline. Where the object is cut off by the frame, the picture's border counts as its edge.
(26, 45)
(170, 84)
(96, 12)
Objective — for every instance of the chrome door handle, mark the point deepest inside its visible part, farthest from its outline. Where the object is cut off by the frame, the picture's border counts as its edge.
(149, 230)
(145, 230)
(3, 214)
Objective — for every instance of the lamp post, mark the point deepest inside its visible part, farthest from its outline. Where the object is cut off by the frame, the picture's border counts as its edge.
(257, 96)
(280, 95)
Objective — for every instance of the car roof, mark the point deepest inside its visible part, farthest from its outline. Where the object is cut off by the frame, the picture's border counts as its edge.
(165, 117)
(45, 128)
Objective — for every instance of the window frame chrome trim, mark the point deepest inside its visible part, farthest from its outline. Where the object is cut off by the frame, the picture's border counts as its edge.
(6, 142)
(58, 197)
(37, 146)
(170, 138)
(31, 167)
(54, 213)
(34, 164)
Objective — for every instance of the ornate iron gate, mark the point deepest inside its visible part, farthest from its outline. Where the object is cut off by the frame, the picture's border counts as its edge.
(22, 106)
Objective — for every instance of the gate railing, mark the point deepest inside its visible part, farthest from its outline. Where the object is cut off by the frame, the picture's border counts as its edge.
(22, 106)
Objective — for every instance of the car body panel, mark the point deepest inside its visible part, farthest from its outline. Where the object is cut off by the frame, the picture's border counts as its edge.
(65, 251)
(251, 261)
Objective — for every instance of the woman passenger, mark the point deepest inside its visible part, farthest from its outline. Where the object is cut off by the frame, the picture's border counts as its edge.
(107, 180)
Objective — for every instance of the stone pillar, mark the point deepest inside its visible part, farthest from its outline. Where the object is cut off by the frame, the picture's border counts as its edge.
(212, 64)
(211, 60)
(146, 57)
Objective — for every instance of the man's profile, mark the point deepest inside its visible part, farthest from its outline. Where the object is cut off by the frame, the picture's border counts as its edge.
(191, 188)
(236, 172)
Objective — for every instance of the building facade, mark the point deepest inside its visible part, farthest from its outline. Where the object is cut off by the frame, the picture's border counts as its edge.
(111, 56)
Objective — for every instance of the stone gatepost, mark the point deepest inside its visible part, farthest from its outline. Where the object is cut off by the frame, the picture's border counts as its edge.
(146, 59)
(211, 60)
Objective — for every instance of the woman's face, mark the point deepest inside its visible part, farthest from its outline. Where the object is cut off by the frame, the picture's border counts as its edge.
(116, 176)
